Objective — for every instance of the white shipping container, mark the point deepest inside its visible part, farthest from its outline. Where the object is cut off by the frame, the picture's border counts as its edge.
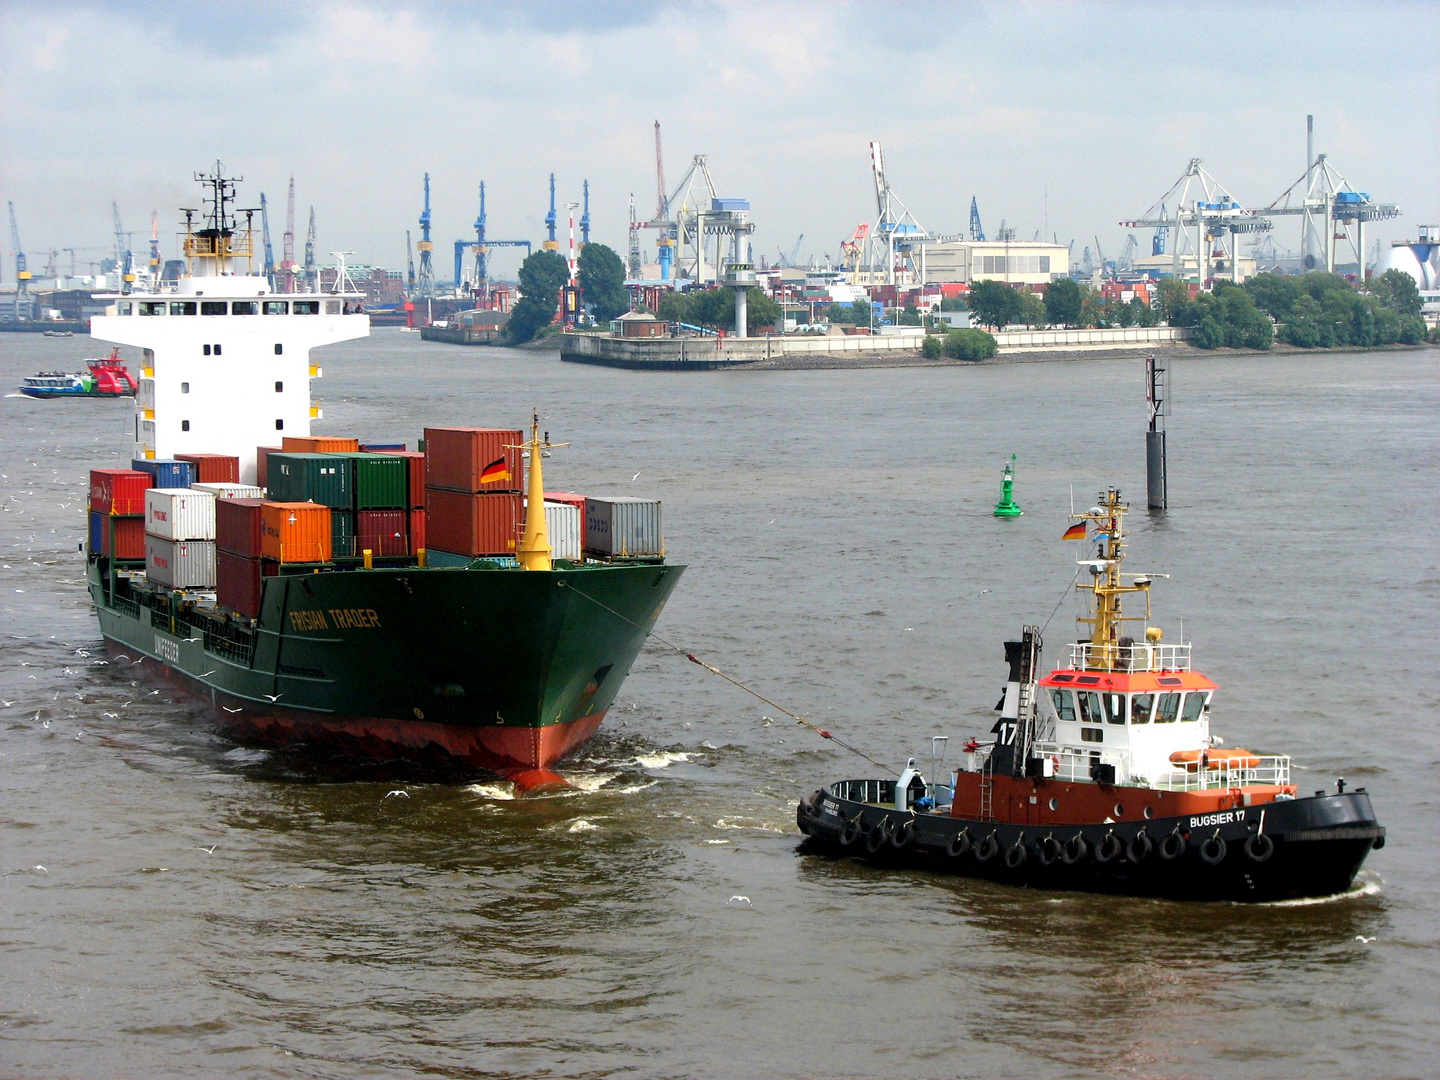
(181, 564)
(623, 526)
(562, 522)
(231, 491)
(180, 514)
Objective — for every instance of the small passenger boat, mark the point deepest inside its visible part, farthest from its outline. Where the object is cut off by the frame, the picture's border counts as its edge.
(1104, 776)
(104, 378)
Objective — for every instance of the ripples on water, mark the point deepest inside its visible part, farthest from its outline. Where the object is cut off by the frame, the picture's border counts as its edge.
(174, 904)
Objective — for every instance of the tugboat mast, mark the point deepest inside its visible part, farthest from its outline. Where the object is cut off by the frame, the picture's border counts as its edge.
(1107, 585)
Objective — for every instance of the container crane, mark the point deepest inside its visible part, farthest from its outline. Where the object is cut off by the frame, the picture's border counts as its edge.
(22, 275)
(977, 231)
(550, 243)
(481, 247)
(287, 252)
(124, 260)
(1157, 242)
(893, 232)
(789, 260)
(409, 265)
(665, 242)
(265, 237)
(585, 217)
(1202, 204)
(1330, 209)
(155, 262)
(426, 286)
(311, 279)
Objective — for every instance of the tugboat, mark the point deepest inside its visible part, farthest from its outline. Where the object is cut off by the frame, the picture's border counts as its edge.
(1104, 776)
(105, 378)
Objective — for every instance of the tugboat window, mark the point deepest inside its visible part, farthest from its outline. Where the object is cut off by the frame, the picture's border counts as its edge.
(1092, 734)
(1140, 708)
(182, 307)
(1167, 709)
(212, 307)
(1195, 704)
(1064, 704)
(1115, 708)
(1091, 711)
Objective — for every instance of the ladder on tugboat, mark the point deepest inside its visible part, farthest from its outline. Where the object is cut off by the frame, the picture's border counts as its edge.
(1025, 711)
(987, 788)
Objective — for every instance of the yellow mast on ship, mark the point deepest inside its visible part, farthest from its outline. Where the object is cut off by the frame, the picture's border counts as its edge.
(534, 550)
(1107, 586)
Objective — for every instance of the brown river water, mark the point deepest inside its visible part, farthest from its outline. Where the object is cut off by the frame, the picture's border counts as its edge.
(173, 904)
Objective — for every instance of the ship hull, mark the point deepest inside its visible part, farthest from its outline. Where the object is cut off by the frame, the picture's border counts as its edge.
(1308, 847)
(503, 670)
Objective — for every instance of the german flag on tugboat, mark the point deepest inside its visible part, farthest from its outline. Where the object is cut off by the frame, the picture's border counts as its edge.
(495, 471)
(1075, 532)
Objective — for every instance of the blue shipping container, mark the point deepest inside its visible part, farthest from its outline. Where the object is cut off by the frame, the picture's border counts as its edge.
(167, 474)
(97, 531)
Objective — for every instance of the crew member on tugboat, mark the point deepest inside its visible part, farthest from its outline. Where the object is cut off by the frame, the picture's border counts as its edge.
(1104, 775)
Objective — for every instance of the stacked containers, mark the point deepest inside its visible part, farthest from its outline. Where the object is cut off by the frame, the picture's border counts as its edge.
(166, 473)
(622, 526)
(231, 491)
(562, 523)
(414, 498)
(180, 538)
(213, 468)
(295, 532)
(382, 503)
(117, 512)
(238, 569)
(262, 458)
(382, 532)
(324, 478)
(319, 444)
(472, 490)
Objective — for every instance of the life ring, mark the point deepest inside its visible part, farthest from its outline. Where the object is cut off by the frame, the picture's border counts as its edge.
(1016, 854)
(902, 835)
(1213, 849)
(959, 844)
(1075, 850)
(1259, 847)
(850, 833)
(1139, 847)
(1109, 849)
(987, 849)
(879, 835)
(1173, 845)
(1048, 850)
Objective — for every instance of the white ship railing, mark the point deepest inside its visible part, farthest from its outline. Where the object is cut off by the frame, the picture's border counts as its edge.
(1272, 769)
(1141, 656)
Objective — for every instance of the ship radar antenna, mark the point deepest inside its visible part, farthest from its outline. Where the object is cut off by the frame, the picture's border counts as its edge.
(343, 282)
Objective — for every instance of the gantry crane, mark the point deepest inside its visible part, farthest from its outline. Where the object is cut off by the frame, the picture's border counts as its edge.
(1204, 206)
(265, 238)
(22, 274)
(287, 249)
(480, 247)
(1330, 209)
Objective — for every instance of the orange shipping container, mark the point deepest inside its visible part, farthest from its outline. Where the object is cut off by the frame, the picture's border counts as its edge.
(295, 532)
(464, 524)
(417, 531)
(213, 468)
(319, 444)
(474, 459)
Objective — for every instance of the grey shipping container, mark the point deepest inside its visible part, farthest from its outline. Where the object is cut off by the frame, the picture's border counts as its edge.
(562, 522)
(622, 526)
(181, 564)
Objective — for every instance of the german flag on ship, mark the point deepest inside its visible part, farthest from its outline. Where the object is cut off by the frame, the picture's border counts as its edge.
(1075, 532)
(494, 472)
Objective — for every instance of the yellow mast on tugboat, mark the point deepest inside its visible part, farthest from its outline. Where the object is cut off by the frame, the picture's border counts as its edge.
(1107, 586)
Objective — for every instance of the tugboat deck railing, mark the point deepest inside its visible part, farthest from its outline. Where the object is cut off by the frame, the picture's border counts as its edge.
(1272, 769)
(1139, 656)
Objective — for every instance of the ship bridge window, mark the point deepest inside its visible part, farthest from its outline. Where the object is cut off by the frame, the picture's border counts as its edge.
(152, 307)
(332, 307)
(1168, 708)
(1114, 708)
(1064, 704)
(245, 307)
(1091, 711)
(276, 307)
(182, 307)
(305, 307)
(123, 308)
(1195, 704)
(212, 307)
(1141, 705)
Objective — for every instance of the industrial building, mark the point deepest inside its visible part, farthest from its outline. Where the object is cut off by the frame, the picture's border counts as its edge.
(968, 261)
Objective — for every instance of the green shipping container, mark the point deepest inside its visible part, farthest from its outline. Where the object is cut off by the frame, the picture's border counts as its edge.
(328, 479)
(342, 534)
(381, 482)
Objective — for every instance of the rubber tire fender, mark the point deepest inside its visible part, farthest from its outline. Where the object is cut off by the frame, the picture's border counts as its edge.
(959, 845)
(1109, 848)
(1259, 847)
(1075, 850)
(1213, 849)
(1016, 854)
(987, 849)
(903, 835)
(850, 832)
(879, 835)
(1139, 847)
(1173, 845)
(1048, 850)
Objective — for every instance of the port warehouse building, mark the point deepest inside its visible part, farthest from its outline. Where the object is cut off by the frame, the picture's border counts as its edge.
(969, 261)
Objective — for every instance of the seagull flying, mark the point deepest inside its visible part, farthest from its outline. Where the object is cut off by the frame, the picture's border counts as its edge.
(741, 899)
(203, 674)
(273, 697)
(1363, 939)
(396, 794)
(110, 715)
(636, 476)
(228, 709)
(210, 850)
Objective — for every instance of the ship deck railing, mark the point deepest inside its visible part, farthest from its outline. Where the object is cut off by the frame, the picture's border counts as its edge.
(1271, 770)
(876, 792)
(1138, 656)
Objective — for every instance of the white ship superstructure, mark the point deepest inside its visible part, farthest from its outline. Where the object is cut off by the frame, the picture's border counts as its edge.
(227, 363)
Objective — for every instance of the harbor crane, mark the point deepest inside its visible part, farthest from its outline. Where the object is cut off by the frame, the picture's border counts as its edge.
(1330, 210)
(789, 260)
(22, 274)
(287, 251)
(977, 231)
(1157, 242)
(1203, 205)
(550, 243)
(1127, 257)
(265, 238)
(585, 217)
(156, 267)
(480, 248)
(426, 286)
(895, 232)
(124, 259)
(311, 278)
(665, 242)
(409, 264)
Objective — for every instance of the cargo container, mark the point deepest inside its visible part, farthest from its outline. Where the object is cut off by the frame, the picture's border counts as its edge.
(622, 526)
(237, 526)
(262, 457)
(384, 532)
(319, 444)
(473, 459)
(417, 531)
(295, 532)
(415, 477)
(180, 564)
(127, 534)
(342, 534)
(472, 524)
(119, 491)
(239, 584)
(381, 447)
(569, 498)
(166, 473)
(328, 479)
(381, 481)
(213, 468)
(231, 491)
(562, 523)
(180, 514)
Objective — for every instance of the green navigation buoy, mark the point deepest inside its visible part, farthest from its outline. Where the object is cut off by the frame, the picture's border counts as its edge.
(1006, 507)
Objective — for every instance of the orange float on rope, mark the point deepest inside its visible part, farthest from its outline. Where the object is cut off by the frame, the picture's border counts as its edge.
(1215, 759)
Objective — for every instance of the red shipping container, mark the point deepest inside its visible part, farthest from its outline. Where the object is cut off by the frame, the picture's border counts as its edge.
(319, 444)
(415, 476)
(238, 583)
(457, 459)
(119, 491)
(569, 498)
(213, 468)
(384, 532)
(237, 526)
(262, 455)
(129, 537)
(464, 524)
(417, 531)
(295, 532)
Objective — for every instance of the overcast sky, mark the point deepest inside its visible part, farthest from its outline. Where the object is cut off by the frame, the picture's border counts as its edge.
(1058, 117)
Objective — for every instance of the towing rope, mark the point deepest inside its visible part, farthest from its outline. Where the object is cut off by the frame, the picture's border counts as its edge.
(822, 732)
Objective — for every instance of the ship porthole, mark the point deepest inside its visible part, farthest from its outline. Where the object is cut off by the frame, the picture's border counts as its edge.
(418, 714)
(1119, 810)
(1054, 804)
(1149, 813)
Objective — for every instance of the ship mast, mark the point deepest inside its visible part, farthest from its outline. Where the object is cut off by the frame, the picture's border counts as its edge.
(221, 239)
(1106, 584)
